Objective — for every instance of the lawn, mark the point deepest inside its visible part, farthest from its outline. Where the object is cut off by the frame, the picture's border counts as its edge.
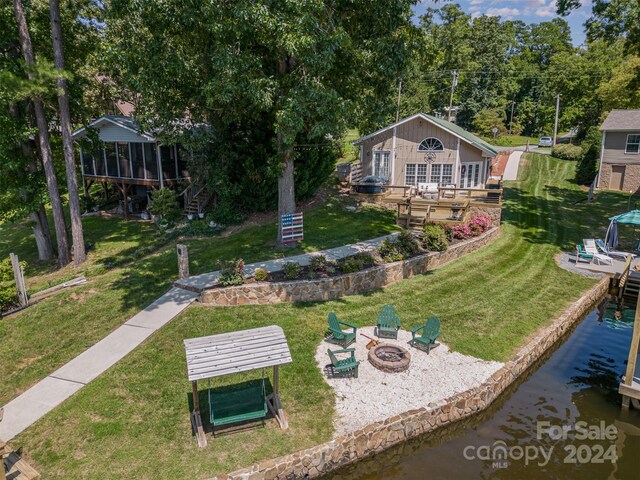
(512, 140)
(43, 337)
(133, 421)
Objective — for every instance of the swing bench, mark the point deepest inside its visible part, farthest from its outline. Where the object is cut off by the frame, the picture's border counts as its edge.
(236, 352)
(240, 404)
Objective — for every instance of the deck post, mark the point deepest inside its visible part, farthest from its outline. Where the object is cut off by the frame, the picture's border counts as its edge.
(2, 453)
(631, 362)
(196, 418)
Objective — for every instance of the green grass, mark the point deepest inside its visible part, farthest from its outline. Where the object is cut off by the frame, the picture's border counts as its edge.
(134, 420)
(43, 337)
(512, 140)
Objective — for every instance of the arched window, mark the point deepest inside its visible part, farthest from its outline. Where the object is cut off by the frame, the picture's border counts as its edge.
(431, 144)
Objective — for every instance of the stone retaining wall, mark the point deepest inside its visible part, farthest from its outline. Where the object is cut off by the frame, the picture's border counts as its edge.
(377, 437)
(374, 278)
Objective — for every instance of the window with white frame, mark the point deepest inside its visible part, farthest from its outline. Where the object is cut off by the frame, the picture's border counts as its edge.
(633, 143)
(415, 173)
(442, 173)
(431, 144)
(381, 167)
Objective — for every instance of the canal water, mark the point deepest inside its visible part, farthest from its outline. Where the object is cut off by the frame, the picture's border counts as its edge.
(562, 421)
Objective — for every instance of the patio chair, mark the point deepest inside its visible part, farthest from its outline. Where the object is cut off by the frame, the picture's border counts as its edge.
(430, 332)
(590, 246)
(388, 322)
(339, 336)
(615, 254)
(449, 193)
(582, 254)
(345, 367)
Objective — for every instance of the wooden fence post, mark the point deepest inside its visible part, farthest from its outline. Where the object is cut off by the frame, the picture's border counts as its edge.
(18, 275)
(183, 261)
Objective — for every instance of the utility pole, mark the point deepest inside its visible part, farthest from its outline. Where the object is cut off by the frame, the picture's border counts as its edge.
(555, 126)
(454, 83)
(398, 109)
(513, 104)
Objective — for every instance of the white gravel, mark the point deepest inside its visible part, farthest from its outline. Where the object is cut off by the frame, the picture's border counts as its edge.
(376, 395)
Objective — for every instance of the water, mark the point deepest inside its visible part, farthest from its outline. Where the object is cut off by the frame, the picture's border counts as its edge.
(577, 382)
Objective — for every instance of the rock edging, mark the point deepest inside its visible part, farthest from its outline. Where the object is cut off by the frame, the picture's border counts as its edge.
(374, 278)
(317, 461)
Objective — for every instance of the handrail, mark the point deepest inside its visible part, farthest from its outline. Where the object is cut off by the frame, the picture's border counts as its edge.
(624, 276)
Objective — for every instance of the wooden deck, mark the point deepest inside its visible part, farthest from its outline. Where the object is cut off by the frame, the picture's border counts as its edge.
(17, 468)
(632, 389)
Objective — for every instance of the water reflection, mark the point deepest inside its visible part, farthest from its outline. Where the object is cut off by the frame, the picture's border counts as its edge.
(577, 382)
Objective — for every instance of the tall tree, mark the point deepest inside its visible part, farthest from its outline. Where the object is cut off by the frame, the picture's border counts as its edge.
(79, 255)
(43, 138)
(309, 67)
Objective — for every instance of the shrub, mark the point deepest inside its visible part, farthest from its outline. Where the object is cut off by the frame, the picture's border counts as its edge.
(434, 238)
(460, 232)
(390, 251)
(567, 152)
(231, 272)
(165, 204)
(292, 270)
(478, 225)
(356, 262)
(261, 275)
(408, 243)
(587, 166)
(318, 263)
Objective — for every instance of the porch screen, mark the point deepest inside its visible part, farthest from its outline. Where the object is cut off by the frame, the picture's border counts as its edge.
(183, 162)
(168, 160)
(415, 173)
(151, 161)
(137, 160)
(442, 173)
(101, 169)
(87, 162)
(123, 159)
(112, 159)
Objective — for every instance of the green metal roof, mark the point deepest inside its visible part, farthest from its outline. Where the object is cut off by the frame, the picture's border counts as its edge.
(468, 136)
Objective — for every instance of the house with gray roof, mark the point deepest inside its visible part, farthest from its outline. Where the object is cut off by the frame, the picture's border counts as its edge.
(424, 149)
(620, 153)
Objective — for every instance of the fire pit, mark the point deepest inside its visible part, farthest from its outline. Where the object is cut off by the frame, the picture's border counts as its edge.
(389, 358)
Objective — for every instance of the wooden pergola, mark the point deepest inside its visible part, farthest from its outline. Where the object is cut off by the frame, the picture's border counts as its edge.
(236, 352)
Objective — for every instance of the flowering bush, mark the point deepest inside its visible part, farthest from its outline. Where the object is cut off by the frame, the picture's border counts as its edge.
(476, 226)
(231, 272)
(479, 224)
(460, 232)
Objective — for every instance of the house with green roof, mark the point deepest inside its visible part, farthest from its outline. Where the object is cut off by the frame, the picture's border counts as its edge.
(423, 149)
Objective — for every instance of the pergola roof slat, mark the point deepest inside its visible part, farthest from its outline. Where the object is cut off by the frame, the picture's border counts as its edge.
(234, 352)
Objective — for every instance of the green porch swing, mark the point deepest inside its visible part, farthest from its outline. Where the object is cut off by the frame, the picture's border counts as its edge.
(240, 404)
(236, 352)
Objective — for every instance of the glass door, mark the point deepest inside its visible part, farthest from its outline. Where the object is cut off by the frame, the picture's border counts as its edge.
(381, 165)
(470, 175)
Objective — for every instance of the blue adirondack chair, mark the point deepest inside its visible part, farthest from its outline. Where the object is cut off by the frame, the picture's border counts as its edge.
(339, 336)
(388, 322)
(425, 335)
(345, 367)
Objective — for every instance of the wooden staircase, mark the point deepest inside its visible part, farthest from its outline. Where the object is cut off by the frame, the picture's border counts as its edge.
(196, 199)
(631, 289)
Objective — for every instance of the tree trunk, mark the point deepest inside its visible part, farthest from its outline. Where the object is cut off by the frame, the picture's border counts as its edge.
(286, 186)
(43, 138)
(77, 235)
(39, 217)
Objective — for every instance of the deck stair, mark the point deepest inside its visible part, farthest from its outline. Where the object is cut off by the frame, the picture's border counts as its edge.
(196, 199)
(631, 288)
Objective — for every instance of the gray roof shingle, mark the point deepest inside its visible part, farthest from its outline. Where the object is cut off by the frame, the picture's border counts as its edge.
(621, 120)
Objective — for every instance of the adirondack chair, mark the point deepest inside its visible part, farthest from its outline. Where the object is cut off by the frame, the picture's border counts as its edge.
(429, 332)
(388, 322)
(339, 336)
(345, 367)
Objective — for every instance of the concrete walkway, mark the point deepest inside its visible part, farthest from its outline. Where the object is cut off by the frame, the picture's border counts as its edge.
(198, 283)
(511, 170)
(47, 394)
